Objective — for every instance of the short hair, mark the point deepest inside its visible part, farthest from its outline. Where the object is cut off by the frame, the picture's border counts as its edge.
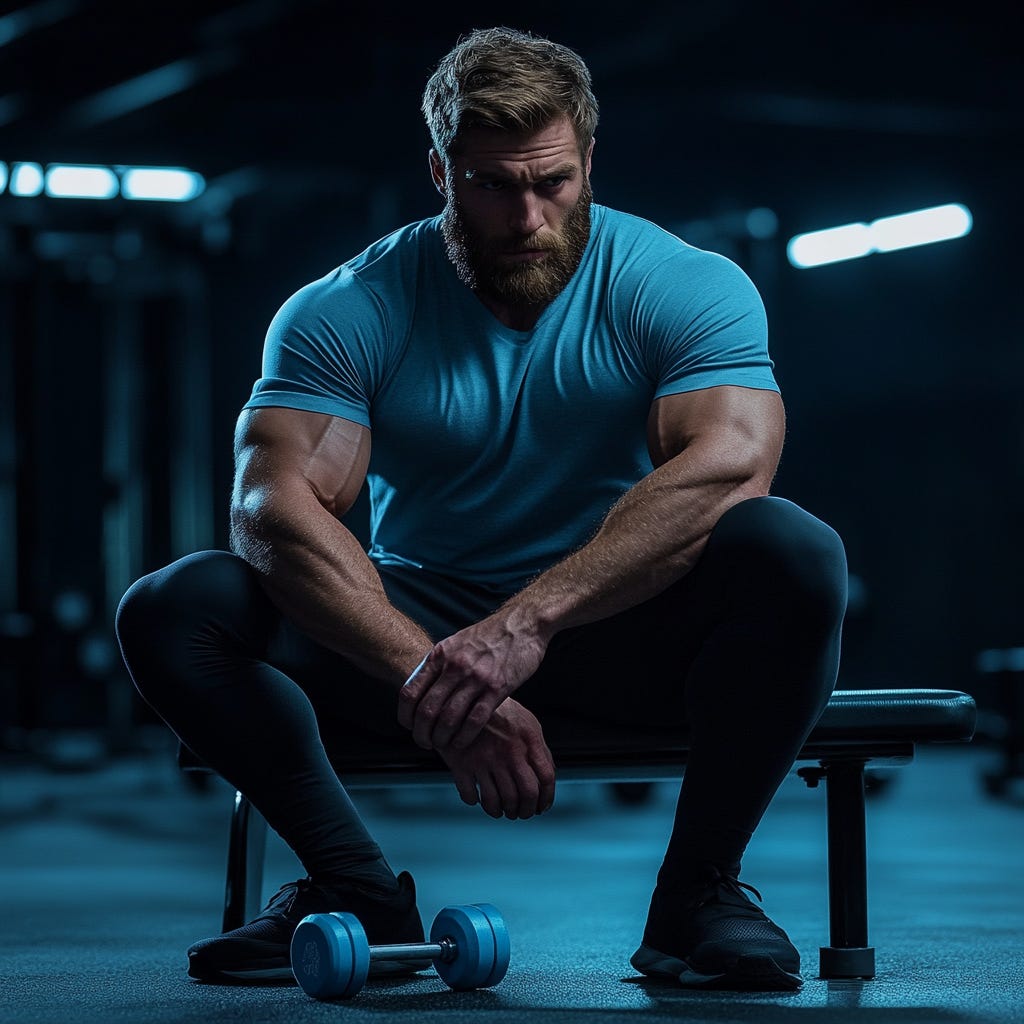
(511, 80)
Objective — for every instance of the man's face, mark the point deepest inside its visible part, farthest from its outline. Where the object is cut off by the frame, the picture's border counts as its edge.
(517, 212)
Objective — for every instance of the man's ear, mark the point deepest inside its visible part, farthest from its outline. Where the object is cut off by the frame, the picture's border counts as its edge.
(437, 171)
(590, 153)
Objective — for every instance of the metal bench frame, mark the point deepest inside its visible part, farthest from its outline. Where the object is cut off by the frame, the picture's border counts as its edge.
(890, 724)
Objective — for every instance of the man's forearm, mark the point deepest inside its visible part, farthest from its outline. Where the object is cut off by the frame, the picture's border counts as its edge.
(714, 448)
(317, 574)
(650, 539)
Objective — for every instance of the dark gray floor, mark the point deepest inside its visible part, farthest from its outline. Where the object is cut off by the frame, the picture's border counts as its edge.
(109, 876)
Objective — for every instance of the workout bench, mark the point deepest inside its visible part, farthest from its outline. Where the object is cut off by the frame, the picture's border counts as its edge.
(858, 728)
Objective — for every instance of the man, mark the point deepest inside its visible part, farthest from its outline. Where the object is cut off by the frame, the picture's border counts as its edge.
(574, 430)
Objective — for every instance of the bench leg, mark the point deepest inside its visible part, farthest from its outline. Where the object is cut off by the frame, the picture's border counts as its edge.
(247, 845)
(848, 955)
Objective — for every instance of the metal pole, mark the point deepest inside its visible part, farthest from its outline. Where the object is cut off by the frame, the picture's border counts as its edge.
(849, 955)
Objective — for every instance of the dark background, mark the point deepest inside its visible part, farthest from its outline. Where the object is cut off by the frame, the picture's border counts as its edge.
(130, 333)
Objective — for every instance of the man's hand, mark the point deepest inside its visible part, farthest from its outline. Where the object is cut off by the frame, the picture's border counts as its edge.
(455, 690)
(508, 768)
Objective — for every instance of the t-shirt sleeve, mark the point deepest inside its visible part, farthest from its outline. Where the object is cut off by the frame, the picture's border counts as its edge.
(701, 323)
(324, 350)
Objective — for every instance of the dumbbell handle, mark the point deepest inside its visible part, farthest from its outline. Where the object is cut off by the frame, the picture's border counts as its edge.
(445, 950)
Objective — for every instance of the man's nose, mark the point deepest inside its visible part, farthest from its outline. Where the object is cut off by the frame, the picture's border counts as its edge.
(527, 214)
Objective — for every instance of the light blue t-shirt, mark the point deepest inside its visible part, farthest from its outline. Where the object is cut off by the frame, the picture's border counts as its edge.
(496, 452)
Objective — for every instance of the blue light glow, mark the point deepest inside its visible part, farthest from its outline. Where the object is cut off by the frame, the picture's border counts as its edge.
(170, 184)
(922, 227)
(815, 249)
(887, 234)
(92, 181)
(71, 181)
(142, 91)
(762, 222)
(26, 179)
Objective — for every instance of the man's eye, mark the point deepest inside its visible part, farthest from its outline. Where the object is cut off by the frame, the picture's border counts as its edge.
(492, 186)
(555, 182)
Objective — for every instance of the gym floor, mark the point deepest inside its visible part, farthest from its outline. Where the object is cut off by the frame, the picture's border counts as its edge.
(111, 874)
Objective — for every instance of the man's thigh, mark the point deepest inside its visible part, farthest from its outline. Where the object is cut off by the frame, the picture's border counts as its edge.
(629, 669)
(349, 702)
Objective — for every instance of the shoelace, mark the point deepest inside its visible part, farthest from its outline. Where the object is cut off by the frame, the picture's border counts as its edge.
(734, 885)
(285, 897)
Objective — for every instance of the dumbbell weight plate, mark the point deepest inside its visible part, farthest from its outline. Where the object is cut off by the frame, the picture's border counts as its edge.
(330, 955)
(483, 945)
(502, 946)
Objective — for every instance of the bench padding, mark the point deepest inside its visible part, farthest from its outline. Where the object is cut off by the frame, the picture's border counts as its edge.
(915, 716)
(873, 724)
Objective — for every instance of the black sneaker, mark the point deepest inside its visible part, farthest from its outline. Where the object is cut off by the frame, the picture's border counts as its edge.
(261, 948)
(714, 937)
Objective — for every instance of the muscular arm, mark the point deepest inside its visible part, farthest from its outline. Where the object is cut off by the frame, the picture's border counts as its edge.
(711, 449)
(295, 473)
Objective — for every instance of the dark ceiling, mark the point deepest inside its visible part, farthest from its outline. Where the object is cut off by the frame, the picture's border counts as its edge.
(320, 95)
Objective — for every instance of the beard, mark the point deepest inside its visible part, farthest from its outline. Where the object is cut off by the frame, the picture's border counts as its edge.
(477, 259)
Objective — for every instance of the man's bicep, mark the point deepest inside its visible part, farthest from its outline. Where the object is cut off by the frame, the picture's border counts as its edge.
(742, 428)
(276, 446)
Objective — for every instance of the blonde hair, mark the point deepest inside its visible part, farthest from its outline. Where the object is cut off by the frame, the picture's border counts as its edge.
(511, 80)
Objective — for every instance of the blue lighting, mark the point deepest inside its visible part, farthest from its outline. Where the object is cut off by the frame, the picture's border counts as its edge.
(143, 91)
(922, 227)
(73, 181)
(169, 184)
(887, 234)
(39, 15)
(762, 222)
(26, 179)
(815, 249)
(92, 181)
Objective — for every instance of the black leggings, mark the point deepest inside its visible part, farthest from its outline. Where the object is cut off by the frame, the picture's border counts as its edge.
(743, 652)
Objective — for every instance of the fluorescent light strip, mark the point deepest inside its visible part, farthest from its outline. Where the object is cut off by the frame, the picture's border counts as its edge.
(922, 227)
(26, 179)
(815, 249)
(89, 181)
(77, 181)
(852, 241)
(169, 184)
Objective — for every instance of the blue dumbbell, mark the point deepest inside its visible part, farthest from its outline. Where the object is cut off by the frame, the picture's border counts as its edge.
(469, 947)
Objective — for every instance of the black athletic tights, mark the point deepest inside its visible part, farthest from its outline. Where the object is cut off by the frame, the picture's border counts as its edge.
(743, 651)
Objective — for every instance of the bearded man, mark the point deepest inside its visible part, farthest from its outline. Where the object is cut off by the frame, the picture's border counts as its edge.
(575, 427)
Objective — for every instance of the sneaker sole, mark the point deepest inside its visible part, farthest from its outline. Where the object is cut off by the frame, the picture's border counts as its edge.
(378, 969)
(748, 973)
(268, 974)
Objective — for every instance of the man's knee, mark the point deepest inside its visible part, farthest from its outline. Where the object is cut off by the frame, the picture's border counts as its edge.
(778, 548)
(177, 597)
